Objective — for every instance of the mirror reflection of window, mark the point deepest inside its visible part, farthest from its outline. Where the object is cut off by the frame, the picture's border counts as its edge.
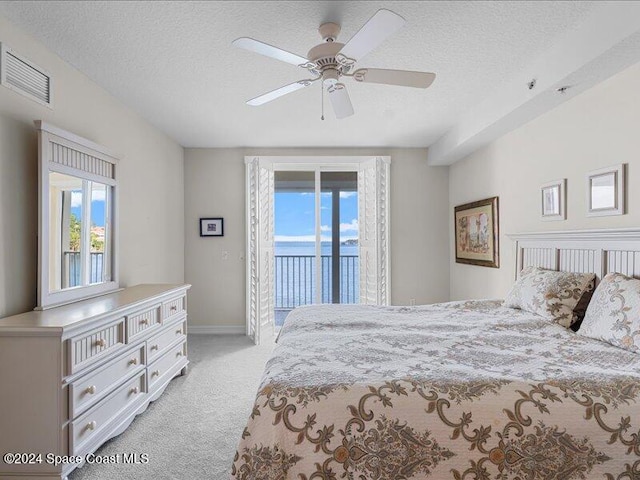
(65, 234)
(98, 272)
(76, 204)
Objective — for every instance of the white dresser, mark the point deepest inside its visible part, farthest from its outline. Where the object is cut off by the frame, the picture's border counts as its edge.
(74, 376)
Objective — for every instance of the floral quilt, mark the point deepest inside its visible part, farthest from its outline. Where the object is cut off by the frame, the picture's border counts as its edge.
(459, 390)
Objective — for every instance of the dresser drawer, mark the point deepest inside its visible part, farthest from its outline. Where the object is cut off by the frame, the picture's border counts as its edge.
(157, 344)
(97, 421)
(173, 307)
(142, 322)
(166, 363)
(90, 347)
(88, 390)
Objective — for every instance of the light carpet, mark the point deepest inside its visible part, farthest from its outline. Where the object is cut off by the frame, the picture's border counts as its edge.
(191, 432)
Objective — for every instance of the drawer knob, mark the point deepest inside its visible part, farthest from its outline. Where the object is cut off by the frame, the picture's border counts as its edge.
(92, 425)
(155, 373)
(144, 322)
(134, 390)
(133, 361)
(179, 332)
(91, 390)
(178, 354)
(154, 347)
(173, 308)
(100, 342)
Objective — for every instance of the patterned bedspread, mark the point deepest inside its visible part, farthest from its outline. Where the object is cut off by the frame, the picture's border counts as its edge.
(460, 390)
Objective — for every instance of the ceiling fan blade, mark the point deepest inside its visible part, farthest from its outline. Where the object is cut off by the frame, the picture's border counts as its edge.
(379, 27)
(278, 92)
(269, 51)
(340, 100)
(404, 78)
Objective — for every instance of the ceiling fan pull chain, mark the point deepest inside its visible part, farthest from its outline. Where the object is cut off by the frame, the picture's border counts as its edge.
(322, 100)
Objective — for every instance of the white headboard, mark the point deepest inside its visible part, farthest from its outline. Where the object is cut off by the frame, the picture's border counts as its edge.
(593, 251)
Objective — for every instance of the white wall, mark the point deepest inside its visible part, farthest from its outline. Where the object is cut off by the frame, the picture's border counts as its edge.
(150, 177)
(215, 186)
(597, 128)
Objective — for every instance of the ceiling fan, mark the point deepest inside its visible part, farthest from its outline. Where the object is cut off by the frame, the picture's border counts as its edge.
(331, 60)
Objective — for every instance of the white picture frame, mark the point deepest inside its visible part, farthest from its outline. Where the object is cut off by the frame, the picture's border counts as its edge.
(553, 200)
(606, 191)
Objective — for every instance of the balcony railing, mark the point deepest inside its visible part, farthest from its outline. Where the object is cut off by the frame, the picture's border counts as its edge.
(295, 280)
(72, 268)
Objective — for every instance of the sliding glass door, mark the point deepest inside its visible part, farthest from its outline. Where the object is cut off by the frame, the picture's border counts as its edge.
(316, 238)
(317, 232)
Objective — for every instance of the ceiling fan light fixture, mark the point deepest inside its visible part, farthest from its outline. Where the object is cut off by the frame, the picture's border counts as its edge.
(330, 76)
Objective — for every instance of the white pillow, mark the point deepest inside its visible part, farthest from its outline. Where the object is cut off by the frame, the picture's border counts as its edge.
(613, 315)
(550, 294)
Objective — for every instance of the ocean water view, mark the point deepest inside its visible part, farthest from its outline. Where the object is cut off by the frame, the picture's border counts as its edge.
(295, 279)
(309, 248)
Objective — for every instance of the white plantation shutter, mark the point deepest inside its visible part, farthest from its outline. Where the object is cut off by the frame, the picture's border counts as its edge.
(260, 262)
(373, 220)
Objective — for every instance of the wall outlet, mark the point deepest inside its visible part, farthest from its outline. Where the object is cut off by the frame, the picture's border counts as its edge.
(412, 302)
(225, 255)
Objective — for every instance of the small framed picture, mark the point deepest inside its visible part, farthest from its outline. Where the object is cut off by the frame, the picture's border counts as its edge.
(211, 227)
(553, 200)
(606, 191)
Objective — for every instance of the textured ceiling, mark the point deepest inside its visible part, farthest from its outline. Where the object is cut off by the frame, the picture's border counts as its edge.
(174, 64)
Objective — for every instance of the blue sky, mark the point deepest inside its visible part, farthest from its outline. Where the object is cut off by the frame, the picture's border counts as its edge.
(295, 216)
(97, 208)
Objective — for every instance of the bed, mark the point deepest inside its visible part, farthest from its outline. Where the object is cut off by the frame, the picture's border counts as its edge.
(461, 390)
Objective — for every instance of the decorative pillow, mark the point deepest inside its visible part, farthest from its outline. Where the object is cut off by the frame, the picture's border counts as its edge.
(550, 294)
(613, 315)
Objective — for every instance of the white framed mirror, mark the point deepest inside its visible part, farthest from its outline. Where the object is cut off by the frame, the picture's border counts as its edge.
(77, 218)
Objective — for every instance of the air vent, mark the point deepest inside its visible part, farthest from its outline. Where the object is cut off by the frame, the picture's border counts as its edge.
(22, 76)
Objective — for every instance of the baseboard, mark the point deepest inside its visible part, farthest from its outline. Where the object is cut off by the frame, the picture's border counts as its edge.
(217, 329)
